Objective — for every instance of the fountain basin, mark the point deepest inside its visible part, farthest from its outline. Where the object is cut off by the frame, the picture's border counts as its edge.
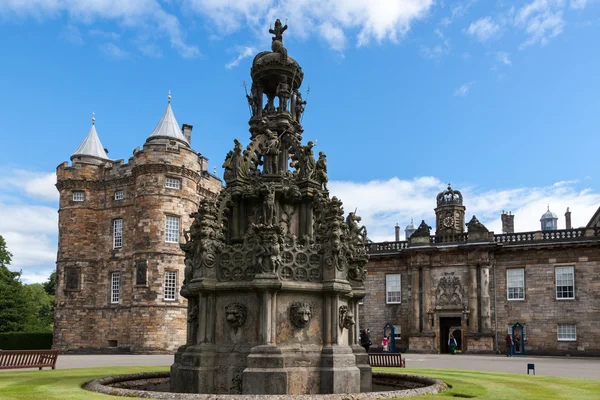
(155, 385)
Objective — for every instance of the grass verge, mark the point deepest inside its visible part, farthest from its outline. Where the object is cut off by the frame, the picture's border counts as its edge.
(65, 384)
(500, 386)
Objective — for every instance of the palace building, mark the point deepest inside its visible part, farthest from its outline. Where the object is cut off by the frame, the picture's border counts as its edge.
(542, 288)
(119, 264)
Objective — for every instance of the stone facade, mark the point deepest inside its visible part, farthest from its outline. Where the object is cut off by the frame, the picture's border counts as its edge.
(459, 285)
(140, 319)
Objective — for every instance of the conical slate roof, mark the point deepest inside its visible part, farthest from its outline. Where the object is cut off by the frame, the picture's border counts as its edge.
(168, 127)
(91, 146)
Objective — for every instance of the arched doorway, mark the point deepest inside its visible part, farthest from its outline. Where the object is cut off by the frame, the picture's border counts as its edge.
(448, 326)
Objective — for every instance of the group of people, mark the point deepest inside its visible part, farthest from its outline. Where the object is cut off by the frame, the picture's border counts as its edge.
(365, 340)
(513, 345)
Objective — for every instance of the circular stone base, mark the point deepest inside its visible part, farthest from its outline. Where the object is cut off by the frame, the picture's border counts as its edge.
(141, 385)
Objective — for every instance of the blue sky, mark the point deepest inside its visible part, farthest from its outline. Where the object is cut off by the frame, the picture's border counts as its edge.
(500, 98)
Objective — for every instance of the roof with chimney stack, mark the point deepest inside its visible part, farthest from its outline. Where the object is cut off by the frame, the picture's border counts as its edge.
(91, 145)
(168, 127)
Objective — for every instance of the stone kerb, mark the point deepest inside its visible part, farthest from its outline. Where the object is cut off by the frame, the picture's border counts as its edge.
(124, 386)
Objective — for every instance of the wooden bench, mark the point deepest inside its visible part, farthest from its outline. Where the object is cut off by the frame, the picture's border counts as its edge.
(387, 360)
(10, 359)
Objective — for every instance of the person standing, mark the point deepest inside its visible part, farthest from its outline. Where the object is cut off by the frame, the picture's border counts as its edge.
(365, 339)
(384, 343)
(452, 344)
(509, 343)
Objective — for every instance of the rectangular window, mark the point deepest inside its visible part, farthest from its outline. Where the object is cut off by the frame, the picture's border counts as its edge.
(117, 233)
(398, 332)
(115, 287)
(393, 295)
(170, 285)
(515, 283)
(78, 195)
(172, 230)
(567, 332)
(565, 282)
(173, 183)
(119, 195)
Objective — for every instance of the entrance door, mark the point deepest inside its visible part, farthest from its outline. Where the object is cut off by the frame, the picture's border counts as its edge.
(446, 324)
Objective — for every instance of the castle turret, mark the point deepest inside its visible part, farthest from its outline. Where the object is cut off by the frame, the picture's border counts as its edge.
(549, 221)
(119, 264)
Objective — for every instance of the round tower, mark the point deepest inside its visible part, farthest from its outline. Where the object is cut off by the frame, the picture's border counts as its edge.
(450, 212)
(410, 229)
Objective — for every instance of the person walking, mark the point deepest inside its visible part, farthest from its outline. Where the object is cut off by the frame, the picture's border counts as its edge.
(365, 339)
(509, 344)
(452, 344)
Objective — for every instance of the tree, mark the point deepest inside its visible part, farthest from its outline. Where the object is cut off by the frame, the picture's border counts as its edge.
(13, 306)
(40, 308)
(50, 285)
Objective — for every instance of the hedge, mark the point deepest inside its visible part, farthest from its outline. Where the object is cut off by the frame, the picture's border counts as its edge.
(25, 341)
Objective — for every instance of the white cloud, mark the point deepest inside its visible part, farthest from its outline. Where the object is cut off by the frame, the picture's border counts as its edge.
(439, 50)
(375, 20)
(382, 204)
(464, 89)
(38, 185)
(113, 51)
(457, 11)
(502, 57)
(483, 29)
(541, 20)
(142, 15)
(104, 34)
(72, 35)
(578, 4)
(243, 52)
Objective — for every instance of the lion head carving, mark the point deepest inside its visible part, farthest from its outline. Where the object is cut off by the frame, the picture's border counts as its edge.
(236, 314)
(300, 313)
(346, 317)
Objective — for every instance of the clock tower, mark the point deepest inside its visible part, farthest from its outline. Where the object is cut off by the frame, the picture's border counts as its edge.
(450, 212)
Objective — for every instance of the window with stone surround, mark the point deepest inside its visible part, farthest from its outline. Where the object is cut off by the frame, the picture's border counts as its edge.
(393, 293)
(170, 285)
(397, 332)
(115, 287)
(173, 183)
(565, 282)
(172, 229)
(515, 283)
(78, 195)
(117, 233)
(567, 332)
(119, 195)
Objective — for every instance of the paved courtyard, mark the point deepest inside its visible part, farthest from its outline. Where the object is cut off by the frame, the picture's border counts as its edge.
(588, 368)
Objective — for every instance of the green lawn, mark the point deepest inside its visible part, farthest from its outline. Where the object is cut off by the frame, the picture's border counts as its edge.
(497, 386)
(65, 384)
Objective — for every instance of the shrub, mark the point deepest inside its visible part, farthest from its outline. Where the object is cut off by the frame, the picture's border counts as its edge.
(25, 341)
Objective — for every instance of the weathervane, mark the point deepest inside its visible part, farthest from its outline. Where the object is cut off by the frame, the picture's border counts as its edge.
(93, 117)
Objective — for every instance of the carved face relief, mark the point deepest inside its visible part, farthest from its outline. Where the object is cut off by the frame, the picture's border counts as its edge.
(235, 313)
(300, 314)
(346, 318)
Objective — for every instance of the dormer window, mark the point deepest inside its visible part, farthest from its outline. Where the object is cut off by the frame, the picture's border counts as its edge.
(173, 183)
(78, 195)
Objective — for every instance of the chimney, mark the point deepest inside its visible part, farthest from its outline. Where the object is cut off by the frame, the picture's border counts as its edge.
(397, 233)
(187, 132)
(508, 222)
(568, 218)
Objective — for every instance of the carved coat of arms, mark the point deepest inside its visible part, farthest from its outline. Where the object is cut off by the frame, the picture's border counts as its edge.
(449, 291)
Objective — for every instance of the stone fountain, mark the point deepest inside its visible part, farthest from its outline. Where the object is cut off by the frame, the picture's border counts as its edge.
(274, 272)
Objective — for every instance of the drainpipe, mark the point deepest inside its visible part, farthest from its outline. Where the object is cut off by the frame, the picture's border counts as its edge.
(495, 312)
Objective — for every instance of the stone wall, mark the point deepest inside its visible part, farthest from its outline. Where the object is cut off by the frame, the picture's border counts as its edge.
(142, 320)
(540, 312)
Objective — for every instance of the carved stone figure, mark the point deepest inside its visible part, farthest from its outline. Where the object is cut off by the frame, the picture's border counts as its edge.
(321, 169)
(277, 40)
(236, 314)
(269, 206)
(449, 291)
(271, 153)
(358, 233)
(306, 161)
(228, 174)
(300, 314)
(298, 106)
(283, 92)
(192, 321)
(346, 317)
(267, 253)
(422, 230)
(254, 101)
(475, 226)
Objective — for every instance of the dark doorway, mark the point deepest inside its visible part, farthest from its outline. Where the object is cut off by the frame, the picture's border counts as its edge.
(447, 324)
